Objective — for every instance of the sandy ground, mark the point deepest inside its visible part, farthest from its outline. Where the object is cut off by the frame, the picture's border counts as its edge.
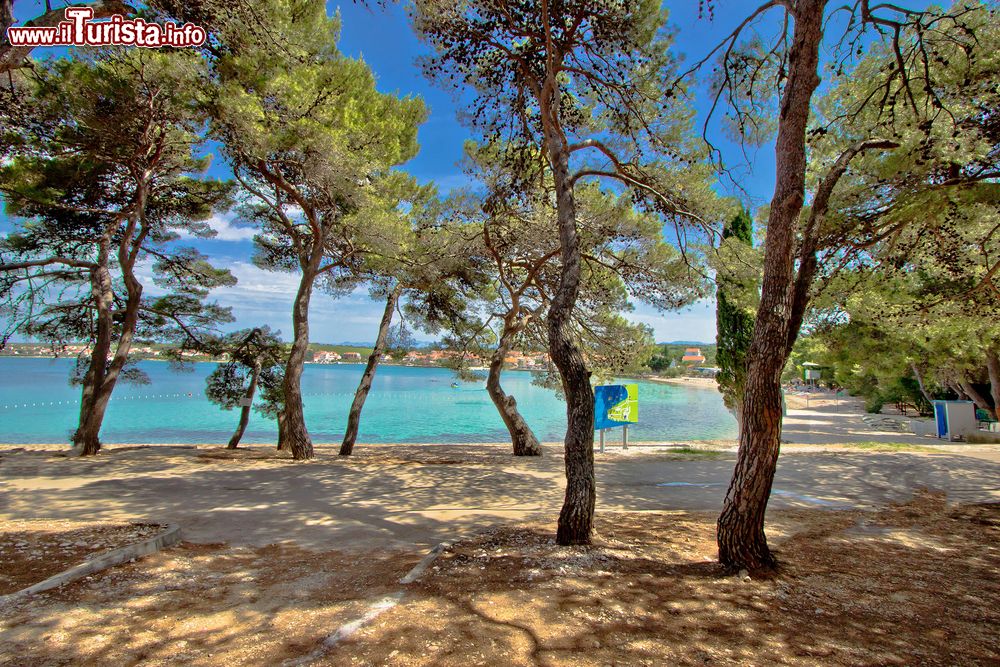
(910, 585)
(904, 585)
(32, 551)
(697, 383)
(823, 419)
(418, 495)
(816, 418)
(278, 555)
(199, 605)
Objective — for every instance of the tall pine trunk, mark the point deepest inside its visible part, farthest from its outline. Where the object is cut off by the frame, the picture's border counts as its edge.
(102, 376)
(86, 438)
(245, 409)
(282, 438)
(292, 433)
(524, 441)
(741, 538)
(576, 519)
(361, 393)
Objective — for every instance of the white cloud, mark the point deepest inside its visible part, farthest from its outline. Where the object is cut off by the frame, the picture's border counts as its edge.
(227, 231)
(265, 297)
(256, 283)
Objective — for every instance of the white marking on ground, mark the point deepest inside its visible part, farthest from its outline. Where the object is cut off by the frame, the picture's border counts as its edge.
(374, 611)
(700, 485)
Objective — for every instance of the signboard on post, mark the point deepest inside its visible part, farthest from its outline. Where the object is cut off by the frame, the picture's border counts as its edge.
(616, 405)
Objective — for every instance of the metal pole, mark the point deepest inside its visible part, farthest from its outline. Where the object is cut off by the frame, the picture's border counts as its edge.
(602, 441)
(625, 437)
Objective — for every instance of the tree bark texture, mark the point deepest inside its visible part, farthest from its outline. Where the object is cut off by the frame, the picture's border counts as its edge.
(576, 519)
(102, 375)
(956, 387)
(293, 433)
(974, 395)
(354, 416)
(282, 438)
(920, 383)
(742, 543)
(86, 439)
(245, 409)
(522, 438)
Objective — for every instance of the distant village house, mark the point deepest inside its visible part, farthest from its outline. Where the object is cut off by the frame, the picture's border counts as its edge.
(693, 356)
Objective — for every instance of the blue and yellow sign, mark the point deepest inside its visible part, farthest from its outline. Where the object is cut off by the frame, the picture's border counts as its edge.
(616, 405)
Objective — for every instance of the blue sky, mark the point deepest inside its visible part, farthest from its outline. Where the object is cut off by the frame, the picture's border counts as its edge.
(385, 40)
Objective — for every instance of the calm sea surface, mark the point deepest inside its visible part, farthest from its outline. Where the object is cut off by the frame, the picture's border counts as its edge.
(37, 405)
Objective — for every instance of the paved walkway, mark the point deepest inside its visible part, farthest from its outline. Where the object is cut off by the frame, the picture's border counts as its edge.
(419, 495)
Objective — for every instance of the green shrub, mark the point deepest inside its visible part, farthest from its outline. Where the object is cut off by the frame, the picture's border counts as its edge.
(873, 404)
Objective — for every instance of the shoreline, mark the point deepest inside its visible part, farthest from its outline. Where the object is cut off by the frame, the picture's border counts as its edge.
(903, 444)
(695, 382)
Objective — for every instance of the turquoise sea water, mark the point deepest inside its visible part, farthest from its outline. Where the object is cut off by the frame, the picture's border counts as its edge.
(406, 404)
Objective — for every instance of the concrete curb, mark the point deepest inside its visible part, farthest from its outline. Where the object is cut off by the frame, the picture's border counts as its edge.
(169, 537)
(424, 563)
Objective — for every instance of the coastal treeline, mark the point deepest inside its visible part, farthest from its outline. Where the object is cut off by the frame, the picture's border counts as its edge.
(596, 185)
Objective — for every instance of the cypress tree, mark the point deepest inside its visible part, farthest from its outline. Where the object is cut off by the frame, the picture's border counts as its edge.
(734, 322)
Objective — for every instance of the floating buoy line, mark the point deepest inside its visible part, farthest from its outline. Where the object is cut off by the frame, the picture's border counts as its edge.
(388, 395)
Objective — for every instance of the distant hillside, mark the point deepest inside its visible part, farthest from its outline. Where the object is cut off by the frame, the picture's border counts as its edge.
(692, 343)
(356, 345)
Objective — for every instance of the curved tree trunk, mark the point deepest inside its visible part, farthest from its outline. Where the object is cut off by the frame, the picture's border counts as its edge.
(292, 433)
(993, 366)
(576, 519)
(524, 441)
(361, 393)
(86, 438)
(920, 383)
(973, 394)
(956, 387)
(102, 376)
(245, 410)
(741, 538)
(522, 438)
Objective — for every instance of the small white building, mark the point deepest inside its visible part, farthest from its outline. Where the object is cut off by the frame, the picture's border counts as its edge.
(955, 419)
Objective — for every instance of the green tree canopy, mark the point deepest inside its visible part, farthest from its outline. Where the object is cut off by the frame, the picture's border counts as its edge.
(101, 163)
(312, 143)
